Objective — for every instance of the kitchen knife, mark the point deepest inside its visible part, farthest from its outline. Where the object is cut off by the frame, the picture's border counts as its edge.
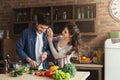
(40, 66)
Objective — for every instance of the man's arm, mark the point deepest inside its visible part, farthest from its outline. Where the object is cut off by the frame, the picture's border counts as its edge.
(20, 46)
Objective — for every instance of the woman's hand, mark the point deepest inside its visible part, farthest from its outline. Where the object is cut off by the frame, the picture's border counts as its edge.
(49, 35)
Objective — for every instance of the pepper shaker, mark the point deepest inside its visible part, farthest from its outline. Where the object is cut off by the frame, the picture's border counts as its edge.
(5, 66)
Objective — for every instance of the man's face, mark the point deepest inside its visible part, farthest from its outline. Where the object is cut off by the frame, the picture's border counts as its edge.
(41, 28)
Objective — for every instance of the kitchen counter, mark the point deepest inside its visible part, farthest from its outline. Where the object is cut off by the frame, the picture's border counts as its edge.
(88, 67)
(79, 75)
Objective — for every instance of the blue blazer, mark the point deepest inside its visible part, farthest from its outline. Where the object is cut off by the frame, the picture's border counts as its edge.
(25, 46)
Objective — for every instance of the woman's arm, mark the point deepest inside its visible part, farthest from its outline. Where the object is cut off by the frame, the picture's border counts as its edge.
(60, 54)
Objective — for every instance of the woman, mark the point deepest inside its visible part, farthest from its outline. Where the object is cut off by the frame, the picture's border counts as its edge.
(64, 44)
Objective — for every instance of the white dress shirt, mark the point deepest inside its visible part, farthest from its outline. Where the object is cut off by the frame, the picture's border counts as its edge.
(39, 47)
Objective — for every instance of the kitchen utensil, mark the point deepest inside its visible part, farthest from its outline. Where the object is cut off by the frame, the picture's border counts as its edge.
(40, 66)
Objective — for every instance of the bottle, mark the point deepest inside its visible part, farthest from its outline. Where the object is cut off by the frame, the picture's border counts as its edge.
(5, 66)
(48, 16)
(7, 34)
(82, 13)
(95, 58)
(64, 15)
(79, 13)
(56, 14)
(88, 12)
(8, 61)
(91, 12)
(25, 16)
(19, 16)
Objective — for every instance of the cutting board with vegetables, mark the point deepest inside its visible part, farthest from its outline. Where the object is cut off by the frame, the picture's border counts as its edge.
(54, 73)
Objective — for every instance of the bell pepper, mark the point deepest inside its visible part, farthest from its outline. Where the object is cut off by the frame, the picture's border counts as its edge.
(53, 68)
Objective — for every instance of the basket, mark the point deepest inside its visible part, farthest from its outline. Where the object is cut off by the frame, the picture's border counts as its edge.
(85, 61)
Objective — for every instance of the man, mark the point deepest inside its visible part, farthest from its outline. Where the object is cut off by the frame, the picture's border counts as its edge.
(32, 46)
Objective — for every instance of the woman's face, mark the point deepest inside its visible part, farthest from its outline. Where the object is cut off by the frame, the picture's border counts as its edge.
(41, 28)
(66, 33)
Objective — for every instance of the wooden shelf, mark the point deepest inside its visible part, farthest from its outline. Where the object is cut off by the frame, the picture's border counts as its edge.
(68, 20)
(59, 16)
(89, 34)
(22, 22)
(91, 19)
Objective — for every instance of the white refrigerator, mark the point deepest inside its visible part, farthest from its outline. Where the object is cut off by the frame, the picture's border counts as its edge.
(112, 60)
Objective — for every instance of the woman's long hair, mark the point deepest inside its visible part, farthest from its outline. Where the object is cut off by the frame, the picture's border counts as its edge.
(75, 39)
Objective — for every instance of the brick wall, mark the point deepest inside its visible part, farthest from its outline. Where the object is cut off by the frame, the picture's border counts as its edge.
(104, 22)
(5, 14)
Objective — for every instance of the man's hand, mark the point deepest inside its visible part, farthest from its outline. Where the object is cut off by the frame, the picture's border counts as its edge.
(33, 64)
(43, 56)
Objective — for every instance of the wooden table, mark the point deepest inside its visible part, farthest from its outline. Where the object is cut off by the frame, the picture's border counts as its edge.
(91, 67)
(79, 76)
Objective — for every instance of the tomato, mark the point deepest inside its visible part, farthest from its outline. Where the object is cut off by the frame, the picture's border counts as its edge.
(49, 73)
(37, 73)
(41, 73)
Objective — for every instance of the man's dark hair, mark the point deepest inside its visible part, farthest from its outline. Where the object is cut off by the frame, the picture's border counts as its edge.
(43, 19)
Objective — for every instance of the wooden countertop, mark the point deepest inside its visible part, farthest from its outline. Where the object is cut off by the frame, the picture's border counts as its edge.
(89, 65)
(79, 75)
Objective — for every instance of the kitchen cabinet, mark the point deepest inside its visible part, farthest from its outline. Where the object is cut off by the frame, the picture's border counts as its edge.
(8, 47)
(26, 17)
(84, 15)
(21, 20)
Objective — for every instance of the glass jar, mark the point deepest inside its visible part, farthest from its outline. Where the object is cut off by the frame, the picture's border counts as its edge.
(64, 15)
(35, 17)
